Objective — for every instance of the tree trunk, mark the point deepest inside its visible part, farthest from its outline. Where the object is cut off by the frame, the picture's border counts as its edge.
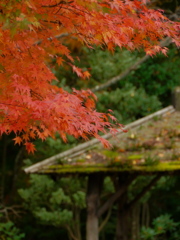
(176, 98)
(94, 187)
(3, 169)
(123, 229)
(136, 222)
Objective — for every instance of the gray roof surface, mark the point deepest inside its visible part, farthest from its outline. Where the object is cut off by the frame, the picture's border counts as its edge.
(152, 144)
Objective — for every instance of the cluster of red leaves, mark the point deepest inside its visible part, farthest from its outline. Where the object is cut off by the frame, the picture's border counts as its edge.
(30, 37)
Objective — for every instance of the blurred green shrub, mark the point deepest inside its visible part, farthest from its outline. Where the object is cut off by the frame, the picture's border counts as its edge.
(128, 103)
(8, 231)
(55, 203)
(157, 76)
(164, 228)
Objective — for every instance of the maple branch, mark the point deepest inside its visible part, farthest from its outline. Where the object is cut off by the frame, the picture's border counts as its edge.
(51, 38)
(88, 13)
(57, 4)
(37, 95)
(122, 75)
(67, 8)
(51, 21)
(14, 105)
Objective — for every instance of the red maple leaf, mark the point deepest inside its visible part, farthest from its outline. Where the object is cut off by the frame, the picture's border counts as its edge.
(31, 36)
(30, 147)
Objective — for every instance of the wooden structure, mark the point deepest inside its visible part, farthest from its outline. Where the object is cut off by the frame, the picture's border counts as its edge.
(151, 146)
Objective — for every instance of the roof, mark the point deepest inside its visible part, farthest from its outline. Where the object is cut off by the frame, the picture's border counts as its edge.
(152, 144)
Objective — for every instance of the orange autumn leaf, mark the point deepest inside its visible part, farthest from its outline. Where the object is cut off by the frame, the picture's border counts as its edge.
(90, 103)
(32, 38)
(30, 147)
(86, 74)
(18, 140)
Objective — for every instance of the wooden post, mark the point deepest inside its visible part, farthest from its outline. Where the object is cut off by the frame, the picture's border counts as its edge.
(124, 229)
(94, 187)
(123, 226)
(176, 98)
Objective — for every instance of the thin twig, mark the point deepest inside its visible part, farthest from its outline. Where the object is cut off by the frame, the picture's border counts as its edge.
(144, 191)
(105, 220)
(56, 5)
(51, 38)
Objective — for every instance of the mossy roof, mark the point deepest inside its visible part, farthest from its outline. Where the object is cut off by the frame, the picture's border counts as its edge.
(150, 147)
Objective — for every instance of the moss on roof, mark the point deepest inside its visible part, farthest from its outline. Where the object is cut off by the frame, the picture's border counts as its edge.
(151, 147)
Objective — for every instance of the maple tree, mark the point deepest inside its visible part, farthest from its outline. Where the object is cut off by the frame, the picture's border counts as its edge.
(31, 36)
